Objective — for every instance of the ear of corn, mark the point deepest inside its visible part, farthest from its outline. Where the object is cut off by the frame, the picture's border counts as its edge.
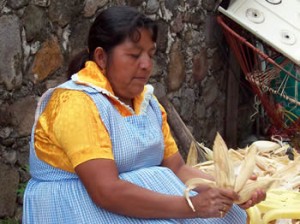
(224, 172)
(266, 165)
(247, 190)
(281, 213)
(246, 169)
(280, 197)
(266, 146)
(255, 215)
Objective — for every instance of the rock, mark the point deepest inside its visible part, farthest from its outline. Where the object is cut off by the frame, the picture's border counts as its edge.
(17, 4)
(171, 5)
(2, 4)
(176, 68)
(78, 36)
(23, 112)
(47, 60)
(10, 157)
(187, 104)
(208, 5)
(35, 20)
(63, 11)
(135, 2)
(42, 3)
(159, 90)
(5, 132)
(152, 6)
(177, 25)
(213, 33)
(9, 180)
(162, 38)
(91, 7)
(210, 91)
(200, 66)
(11, 52)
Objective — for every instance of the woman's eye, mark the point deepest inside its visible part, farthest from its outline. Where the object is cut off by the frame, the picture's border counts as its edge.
(134, 56)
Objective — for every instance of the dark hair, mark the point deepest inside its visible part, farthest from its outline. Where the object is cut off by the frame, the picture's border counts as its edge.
(110, 28)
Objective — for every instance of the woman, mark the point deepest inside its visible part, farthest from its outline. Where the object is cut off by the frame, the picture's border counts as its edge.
(101, 149)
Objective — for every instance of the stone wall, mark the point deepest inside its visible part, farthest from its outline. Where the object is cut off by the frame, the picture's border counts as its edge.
(38, 38)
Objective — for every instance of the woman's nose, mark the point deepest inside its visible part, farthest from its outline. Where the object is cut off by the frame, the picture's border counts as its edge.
(146, 62)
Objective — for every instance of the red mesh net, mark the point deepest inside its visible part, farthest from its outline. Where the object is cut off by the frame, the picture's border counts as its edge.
(273, 78)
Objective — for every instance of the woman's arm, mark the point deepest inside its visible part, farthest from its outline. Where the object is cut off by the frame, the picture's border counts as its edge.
(184, 172)
(100, 177)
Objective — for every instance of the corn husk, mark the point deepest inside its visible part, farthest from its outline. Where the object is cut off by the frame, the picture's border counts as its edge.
(273, 167)
(192, 158)
(225, 169)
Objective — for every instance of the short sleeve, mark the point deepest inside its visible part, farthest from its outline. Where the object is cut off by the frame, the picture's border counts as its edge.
(170, 144)
(73, 125)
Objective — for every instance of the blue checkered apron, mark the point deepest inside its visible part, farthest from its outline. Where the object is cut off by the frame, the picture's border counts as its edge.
(54, 196)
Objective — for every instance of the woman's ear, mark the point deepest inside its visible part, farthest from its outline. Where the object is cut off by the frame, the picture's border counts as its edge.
(100, 57)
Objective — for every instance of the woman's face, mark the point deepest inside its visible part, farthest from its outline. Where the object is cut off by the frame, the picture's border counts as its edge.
(130, 65)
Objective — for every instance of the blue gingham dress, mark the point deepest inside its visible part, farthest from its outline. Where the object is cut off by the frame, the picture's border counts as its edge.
(54, 196)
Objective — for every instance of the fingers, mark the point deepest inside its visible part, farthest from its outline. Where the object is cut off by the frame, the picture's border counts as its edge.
(223, 211)
(257, 197)
(261, 195)
(212, 203)
(229, 194)
(253, 177)
(246, 205)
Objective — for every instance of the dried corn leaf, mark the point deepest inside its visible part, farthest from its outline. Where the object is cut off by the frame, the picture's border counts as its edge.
(207, 151)
(282, 150)
(292, 169)
(204, 164)
(192, 158)
(194, 182)
(236, 155)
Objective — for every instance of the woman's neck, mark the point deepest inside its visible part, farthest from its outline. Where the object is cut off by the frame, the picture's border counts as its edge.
(128, 102)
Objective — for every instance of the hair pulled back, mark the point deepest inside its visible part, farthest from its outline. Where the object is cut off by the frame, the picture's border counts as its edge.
(110, 28)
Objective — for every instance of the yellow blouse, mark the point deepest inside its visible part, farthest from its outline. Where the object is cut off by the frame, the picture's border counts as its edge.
(70, 131)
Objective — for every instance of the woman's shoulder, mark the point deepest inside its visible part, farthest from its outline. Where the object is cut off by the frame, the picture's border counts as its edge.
(65, 94)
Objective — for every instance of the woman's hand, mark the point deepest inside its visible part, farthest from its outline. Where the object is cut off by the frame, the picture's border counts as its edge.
(213, 202)
(257, 196)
